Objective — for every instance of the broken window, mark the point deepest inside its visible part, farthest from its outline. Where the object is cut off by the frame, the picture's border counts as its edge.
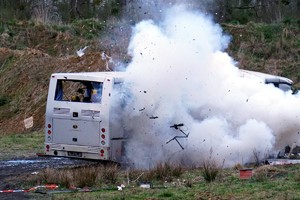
(78, 91)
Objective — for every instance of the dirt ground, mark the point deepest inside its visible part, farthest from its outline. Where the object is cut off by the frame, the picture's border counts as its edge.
(15, 173)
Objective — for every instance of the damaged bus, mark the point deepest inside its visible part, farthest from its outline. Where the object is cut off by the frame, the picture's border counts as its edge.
(78, 120)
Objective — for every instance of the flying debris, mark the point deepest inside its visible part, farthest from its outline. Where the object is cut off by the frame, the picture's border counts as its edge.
(185, 135)
(80, 52)
(120, 188)
(107, 60)
(176, 126)
(104, 56)
(28, 122)
(153, 117)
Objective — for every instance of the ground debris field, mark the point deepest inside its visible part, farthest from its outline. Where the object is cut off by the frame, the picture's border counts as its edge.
(27, 179)
(12, 170)
(19, 176)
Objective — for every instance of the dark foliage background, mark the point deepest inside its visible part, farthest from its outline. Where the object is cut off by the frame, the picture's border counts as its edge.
(66, 11)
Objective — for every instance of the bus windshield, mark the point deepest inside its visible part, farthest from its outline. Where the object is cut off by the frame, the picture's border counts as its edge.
(78, 91)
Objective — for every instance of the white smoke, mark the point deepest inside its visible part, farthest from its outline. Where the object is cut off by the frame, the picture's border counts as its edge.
(180, 74)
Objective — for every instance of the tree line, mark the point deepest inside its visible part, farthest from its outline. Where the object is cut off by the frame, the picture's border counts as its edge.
(268, 11)
(65, 11)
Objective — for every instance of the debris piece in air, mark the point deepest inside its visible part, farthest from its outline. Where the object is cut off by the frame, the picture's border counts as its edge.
(120, 188)
(80, 52)
(153, 117)
(142, 109)
(185, 135)
(176, 126)
(104, 56)
(28, 122)
(107, 60)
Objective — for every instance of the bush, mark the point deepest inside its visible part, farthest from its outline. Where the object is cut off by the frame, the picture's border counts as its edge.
(3, 100)
(88, 28)
(86, 176)
(164, 172)
(109, 173)
(81, 177)
(62, 177)
(210, 170)
(265, 172)
(269, 32)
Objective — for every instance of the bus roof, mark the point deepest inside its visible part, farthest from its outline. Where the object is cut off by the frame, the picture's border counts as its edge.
(266, 77)
(75, 75)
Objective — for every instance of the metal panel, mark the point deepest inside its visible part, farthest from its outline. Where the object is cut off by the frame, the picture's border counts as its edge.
(76, 132)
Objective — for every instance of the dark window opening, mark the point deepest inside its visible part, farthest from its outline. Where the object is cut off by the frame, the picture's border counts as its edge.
(78, 91)
(281, 85)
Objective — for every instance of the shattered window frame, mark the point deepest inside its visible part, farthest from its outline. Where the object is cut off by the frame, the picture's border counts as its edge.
(80, 91)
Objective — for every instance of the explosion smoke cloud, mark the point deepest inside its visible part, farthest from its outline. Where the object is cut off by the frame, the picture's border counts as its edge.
(181, 74)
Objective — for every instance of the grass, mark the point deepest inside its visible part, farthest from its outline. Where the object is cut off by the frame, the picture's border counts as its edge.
(21, 145)
(210, 170)
(278, 182)
(229, 187)
(265, 47)
(163, 172)
(88, 28)
(92, 176)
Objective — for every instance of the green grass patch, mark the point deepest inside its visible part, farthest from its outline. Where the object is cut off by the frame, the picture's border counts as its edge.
(21, 145)
(88, 28)
(268, 31)
(60, 27)
(8, 62)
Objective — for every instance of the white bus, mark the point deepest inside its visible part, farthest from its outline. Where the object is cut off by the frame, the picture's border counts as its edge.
(280, 82)
(78, 116)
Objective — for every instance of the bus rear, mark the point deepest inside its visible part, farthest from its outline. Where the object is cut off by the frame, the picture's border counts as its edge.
(77, 122)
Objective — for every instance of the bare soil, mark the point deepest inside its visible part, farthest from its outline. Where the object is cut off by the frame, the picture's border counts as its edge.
(15, 174)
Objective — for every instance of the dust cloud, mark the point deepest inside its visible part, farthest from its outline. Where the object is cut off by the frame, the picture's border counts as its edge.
(180, 74)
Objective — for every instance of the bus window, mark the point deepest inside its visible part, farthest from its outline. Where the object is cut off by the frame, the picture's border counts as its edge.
(58, 91)
(96, 92)
(285, 87)
(78, 91)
